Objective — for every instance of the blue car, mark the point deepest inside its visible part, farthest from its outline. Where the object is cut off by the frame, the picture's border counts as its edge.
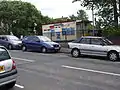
(39, 43)
(10, 42)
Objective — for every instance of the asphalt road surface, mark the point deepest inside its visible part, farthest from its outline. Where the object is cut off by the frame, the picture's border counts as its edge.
(37, 71)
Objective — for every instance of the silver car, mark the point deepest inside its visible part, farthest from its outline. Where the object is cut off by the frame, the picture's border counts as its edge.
(10, 42)
(8, 71)
(96, 46)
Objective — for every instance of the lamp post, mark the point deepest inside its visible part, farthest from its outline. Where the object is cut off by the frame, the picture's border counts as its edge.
(11, 26)
(93, 20)
(35, 24)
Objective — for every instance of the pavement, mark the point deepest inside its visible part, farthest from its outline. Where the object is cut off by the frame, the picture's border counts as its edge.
(65, 50)
(59, 71)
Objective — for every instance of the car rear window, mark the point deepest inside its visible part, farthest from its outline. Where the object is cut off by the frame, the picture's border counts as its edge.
(4, 55)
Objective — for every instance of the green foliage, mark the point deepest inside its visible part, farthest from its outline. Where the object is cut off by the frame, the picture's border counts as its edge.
(62, 19)
(111, 31)
(106, 10)
(18, 17)
(46, 20)
(81, 15)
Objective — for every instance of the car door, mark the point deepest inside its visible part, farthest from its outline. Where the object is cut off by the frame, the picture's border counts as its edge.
(36, 43)
(97, 47)
(32, 43)
(84, 45)
(4, 41)
(0, 40)
(5, 61)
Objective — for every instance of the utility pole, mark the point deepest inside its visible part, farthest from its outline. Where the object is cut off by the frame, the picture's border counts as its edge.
(119, 10)
(115, 14)
(93, 18)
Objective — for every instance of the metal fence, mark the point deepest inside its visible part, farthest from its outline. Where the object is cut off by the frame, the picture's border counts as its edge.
(70, 35)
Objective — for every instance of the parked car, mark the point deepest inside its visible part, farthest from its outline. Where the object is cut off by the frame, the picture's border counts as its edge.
(10, 42)
(8, 71)
(40, 43)
(96, 46)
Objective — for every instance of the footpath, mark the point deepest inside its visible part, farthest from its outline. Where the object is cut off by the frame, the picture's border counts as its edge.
(65, 50)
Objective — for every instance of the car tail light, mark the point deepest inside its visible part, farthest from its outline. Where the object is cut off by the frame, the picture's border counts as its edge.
(13, 65)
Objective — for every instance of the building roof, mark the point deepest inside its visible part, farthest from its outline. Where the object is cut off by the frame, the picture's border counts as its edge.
(78, 21)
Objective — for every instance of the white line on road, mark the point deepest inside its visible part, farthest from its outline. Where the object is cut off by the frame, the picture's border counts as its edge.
(90, 70)
(22, 59)
(19, 86)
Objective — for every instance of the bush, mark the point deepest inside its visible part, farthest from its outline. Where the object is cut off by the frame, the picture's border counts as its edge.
(111, 31)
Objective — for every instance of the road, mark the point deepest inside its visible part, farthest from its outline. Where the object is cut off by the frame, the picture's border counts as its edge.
(37, 71)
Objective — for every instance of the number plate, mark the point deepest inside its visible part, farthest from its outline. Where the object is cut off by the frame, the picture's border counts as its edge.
(1, 68)
(57, 48)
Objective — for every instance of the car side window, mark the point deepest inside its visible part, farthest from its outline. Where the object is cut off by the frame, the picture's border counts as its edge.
(96, 41)
(31, 39)
(25, 38)
(36, 39)
(4, 38)
(85, 41)
(28, 38)
(77, 40)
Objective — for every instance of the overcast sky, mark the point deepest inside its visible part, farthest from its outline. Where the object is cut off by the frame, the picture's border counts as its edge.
(58, 8)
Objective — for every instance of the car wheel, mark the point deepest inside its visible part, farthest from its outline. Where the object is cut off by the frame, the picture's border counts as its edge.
(24, 48)
(113, 56)
(44, 49)
(75, 53)
(10, 47)
(11, 85)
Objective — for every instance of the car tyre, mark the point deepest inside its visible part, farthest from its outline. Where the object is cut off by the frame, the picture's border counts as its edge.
(11, 85)
(44, 50)
(113, 56)
(24, 48)
(75, 53)
(10, 47)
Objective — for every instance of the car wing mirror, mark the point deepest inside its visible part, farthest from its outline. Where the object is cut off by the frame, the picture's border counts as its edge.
(38, 41)
(102, 44)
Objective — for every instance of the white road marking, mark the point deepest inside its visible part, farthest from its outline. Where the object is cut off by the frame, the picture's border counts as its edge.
(19, 86)
(91, 70)
(22, 59)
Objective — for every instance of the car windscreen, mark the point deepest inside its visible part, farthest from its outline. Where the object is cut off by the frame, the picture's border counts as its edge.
(77, 40)
(4, 55)
(44, 39)
(106, 41)
(13, 38)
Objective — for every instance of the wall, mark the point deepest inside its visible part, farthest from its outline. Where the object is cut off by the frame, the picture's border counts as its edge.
(115, 39)
(60, 31)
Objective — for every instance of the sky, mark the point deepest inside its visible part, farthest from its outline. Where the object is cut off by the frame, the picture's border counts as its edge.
(58, 8)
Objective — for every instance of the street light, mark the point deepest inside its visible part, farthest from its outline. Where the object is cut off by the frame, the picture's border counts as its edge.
(35, 24)
(11, 26)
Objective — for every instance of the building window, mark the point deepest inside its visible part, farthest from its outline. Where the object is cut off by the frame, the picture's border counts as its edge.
(68, 31)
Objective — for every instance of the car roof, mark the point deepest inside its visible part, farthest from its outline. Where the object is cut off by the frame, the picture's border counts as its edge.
(2, 46)
(41, 36)
(91, 37)
(35, 36)
(7, 35)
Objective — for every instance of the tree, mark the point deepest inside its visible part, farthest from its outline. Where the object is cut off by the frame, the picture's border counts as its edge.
(19, 17)
(46, 20)
(81, 15)
(103, 7)
(73, 17)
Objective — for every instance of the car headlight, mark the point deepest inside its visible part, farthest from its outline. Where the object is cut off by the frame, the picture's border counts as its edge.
(59, 45)
(15, 43)
(51, 45)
